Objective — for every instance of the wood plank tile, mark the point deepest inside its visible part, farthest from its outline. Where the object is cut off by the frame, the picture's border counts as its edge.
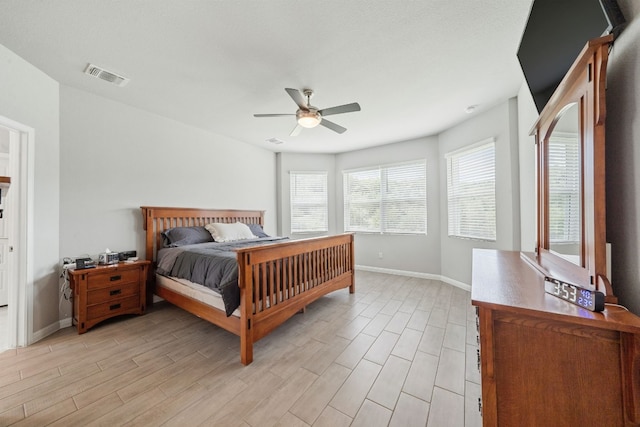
(331, 417)
(372, 415)
(398, 322)
(472, 395)
(472, 373)
(12, 416)
(418, 320)
(323, 358)
(389, 350)
(450, 375)
(51, 413)
(84, 416)
(130, 410)
(407, 344)
(432, 340)
(290, 420)
(377, 325)
(386, 389)
(352, 355)
(117, 382)
(410, 412)
(311, 404)
(382, 347)
(351, 395)
(271, 409)
(218, 403)
(455, 337)
(446, 410)
(422, 376)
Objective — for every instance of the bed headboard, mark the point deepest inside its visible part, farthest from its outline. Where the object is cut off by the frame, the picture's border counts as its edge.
(155, 220)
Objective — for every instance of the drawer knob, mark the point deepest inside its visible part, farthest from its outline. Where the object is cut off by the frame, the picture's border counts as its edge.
(114, 278)
(114, 307)
(115, 292)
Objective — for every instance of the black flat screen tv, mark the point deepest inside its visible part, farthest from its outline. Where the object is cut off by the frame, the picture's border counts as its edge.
(555, 33)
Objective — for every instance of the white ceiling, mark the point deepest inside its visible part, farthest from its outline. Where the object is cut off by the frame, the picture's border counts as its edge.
(412, 65)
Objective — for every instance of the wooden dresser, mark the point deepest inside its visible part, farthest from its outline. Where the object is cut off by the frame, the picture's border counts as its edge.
(545, 361)
(107, 291)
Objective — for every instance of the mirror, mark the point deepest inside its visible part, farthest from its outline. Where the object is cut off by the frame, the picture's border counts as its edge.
(565, 186)
(570, 160)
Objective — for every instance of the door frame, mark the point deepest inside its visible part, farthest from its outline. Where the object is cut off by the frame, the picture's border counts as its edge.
(19, 208)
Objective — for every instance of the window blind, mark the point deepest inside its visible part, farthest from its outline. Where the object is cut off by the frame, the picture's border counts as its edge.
(309, 205)
(386, 199)
(564, 189)
(471, 192)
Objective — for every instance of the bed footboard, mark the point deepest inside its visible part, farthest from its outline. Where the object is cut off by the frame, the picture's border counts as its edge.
(277, 281)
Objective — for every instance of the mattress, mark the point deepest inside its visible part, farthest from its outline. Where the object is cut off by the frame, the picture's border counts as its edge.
(194, 291)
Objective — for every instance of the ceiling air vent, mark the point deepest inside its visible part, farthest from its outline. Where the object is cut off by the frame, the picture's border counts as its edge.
(101, 73)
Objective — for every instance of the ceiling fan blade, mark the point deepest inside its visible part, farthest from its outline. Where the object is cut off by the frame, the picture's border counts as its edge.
(334, 127)
(296, 131)
(347, 108)
(272, 115)
(297, 98)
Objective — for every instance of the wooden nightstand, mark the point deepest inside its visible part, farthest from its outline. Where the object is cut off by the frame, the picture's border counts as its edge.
(107, 291)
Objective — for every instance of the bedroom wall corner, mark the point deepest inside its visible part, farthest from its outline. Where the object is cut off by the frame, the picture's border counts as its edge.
(31, 98)
(116, 158)
(302, 162)
(403, 252)
(500, 123)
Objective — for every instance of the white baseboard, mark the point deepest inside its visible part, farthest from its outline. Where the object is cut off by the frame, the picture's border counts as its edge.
(52, 328)
(419, 275)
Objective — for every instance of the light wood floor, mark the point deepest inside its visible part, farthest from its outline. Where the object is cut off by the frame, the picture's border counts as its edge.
(399, 352)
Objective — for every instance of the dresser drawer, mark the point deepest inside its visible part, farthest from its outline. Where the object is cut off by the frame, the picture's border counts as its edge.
(113, 308)
(113, 278)
(104, 295)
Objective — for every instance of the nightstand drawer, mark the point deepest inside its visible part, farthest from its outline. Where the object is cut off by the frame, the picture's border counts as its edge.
(113, 278)
(105, 295)
(112, 308)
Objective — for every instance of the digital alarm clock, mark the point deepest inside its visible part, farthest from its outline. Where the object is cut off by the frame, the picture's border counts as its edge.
(585, 298)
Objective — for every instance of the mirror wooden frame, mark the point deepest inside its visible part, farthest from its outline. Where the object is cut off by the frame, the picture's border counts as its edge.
(584, 84)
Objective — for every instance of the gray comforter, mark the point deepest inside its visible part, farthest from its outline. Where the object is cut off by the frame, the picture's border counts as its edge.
(212, 265)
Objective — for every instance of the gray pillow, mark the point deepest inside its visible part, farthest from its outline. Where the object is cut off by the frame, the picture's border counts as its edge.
(256, 230)
(180, 236)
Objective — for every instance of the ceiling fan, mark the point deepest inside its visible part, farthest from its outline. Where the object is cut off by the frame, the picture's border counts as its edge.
(309, 116)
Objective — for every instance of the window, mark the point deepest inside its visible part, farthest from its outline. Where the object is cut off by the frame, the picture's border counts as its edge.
(386, 199)
(309, 206)
(564, 188)
(471, 191)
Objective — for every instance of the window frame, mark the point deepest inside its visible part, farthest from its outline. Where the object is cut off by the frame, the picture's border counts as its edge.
(293, 203)
(456, 213)
(383, 199)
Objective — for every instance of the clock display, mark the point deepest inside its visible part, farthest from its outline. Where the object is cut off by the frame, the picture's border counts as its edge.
(585, 298)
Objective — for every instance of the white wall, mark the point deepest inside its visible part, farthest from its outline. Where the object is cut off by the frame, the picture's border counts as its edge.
(623, 159)
(500, 123)
(413, 253)
(30, 97)
(288, 162)
(527, 116)
(115, 158)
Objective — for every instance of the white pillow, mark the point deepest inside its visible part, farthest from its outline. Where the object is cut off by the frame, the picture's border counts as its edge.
(229, 232)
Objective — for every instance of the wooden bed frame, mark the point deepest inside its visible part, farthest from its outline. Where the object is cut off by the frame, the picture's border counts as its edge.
(289, 274)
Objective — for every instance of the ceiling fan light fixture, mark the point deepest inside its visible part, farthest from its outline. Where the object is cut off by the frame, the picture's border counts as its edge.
(308, 119)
